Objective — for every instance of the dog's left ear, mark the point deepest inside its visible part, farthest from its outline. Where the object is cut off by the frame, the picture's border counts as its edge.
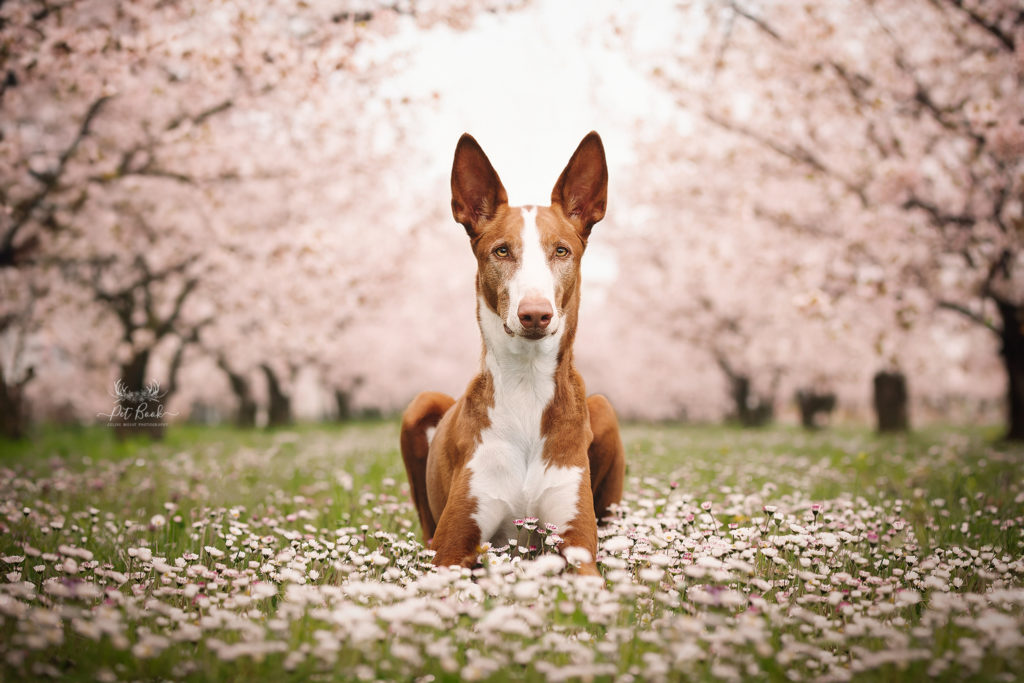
(477, 192)
(582, 189)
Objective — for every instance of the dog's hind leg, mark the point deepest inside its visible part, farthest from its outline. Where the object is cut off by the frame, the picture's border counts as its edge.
(423, 414)
(607, 456)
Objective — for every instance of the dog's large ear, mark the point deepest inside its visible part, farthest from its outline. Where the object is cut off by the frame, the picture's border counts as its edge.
(477, 192)
(582, 189)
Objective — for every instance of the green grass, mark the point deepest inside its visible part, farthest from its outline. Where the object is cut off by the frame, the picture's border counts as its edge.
(220, 554)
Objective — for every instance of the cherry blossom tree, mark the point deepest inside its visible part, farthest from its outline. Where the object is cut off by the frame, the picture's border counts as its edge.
(207, 176)
(892, 131)
(109, 103)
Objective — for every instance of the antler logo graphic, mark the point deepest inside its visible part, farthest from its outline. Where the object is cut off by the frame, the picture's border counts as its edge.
(150, 392)
(120, 390)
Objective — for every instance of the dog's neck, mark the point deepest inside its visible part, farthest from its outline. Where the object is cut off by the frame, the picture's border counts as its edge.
(518, 363)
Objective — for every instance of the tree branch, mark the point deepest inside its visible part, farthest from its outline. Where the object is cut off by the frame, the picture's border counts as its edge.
(938, 217)
(999, 265)
(786, 220)
(725, 365)
(24, 210)
(198, 119)
(185, 340)
(168, 323)
(856, 83)
(796, 152)
(758, 22)
(992, 28)
(976, 318)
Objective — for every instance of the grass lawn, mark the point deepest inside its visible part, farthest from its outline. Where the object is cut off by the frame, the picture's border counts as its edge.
(295, 555)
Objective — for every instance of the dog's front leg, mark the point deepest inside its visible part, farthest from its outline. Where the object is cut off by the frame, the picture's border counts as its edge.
(457, 537)
(582, 531)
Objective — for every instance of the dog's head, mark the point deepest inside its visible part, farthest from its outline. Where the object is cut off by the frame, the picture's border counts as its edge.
(528, 258)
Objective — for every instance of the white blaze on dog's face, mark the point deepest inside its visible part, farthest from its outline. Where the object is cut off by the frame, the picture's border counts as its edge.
(531, 290)
(529, 258)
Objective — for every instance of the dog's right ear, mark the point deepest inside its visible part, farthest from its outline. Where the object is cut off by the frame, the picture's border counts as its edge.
(477, 192)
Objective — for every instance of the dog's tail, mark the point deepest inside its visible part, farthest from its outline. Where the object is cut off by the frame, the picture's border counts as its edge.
(419, 418)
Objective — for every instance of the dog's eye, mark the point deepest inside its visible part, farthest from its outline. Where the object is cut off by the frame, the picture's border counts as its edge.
(501, 251)
(561, 251)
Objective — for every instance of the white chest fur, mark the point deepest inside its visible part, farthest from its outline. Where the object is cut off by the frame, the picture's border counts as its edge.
(508, 476)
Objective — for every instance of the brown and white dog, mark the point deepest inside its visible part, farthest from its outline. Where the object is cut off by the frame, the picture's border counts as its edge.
(524, 440)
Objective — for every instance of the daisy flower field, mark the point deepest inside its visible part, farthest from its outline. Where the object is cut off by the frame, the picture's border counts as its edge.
(295, 555)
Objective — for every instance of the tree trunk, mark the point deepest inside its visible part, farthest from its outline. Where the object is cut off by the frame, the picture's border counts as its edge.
(138, 408)
(891, 400)
(279, 411)
(13, 407)
(812, 404)
(1013, 359)
(752, 410)
(343, 399)
(245, 414)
